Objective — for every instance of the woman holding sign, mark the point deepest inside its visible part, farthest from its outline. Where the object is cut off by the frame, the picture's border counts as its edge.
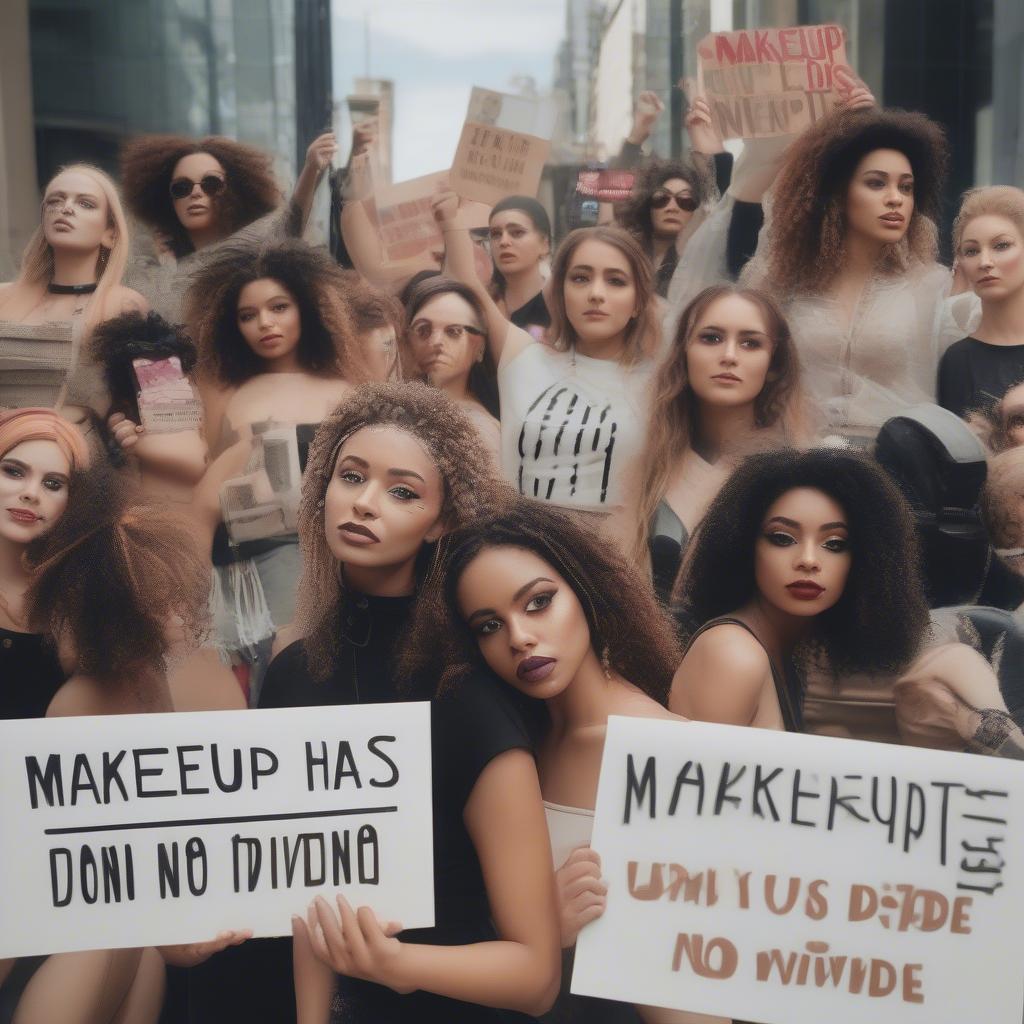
(799, 555)
(850, 245)
(563, 620)
(574, 415)
(389, 473)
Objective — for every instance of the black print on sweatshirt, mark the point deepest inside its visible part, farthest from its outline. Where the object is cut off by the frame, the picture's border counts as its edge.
(566, 446)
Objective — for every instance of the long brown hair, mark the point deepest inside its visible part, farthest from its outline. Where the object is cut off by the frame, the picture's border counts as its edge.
(806, 233)
(673, 422)
(626, 623)
(644, 331)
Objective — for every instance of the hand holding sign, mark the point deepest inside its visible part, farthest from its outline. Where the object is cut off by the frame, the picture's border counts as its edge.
(355, 943)
(581, 893)
(704, 136)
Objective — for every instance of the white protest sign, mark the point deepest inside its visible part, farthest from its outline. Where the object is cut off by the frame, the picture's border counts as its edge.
(141, 830)
(794, 879)
(504, 143)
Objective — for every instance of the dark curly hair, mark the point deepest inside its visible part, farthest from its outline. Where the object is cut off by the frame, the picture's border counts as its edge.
(147, 163)
(470, 490)
(880, 620)
(118, 341)
(807, 229)
(634, 214)
(111, 575)
(621, 610)
(328, 344)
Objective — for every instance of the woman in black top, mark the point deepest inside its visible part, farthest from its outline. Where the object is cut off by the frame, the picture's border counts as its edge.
(390, 472)
(520, 233)
(988, 237)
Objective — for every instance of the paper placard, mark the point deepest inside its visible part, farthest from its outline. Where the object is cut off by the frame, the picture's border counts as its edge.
(764, 82)
(793, 879)
(142, 830)
(503, 146)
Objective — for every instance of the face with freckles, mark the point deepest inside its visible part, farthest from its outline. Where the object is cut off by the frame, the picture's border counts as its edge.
(383, 501)
(802, 556)
(76, 214)
(529, 624)
(33, 489)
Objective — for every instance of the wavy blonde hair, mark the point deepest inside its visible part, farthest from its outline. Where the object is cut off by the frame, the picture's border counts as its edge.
(1002, 200)
(470, 489)
(37, 260)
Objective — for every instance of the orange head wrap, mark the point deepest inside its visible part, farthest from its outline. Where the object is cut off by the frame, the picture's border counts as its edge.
(20, 425)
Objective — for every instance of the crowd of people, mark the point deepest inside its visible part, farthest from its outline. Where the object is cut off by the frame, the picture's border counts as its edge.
(744, 452)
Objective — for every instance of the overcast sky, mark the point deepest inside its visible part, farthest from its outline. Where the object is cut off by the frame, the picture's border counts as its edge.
(434, 51)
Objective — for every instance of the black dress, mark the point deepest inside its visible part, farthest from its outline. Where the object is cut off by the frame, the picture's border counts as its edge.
(534, 313)
(974, 374)
(469, 728)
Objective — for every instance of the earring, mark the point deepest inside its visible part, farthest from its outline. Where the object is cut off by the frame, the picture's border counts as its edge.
(606, 665)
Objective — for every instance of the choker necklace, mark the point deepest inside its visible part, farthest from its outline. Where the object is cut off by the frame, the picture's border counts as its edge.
(71, 289)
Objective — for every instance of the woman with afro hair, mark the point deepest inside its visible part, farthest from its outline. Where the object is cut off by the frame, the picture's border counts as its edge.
(276, 352)
(849, 248)
(801, 556)
(193, 194)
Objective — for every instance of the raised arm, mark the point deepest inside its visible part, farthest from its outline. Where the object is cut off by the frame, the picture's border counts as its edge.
(505, 340)
(321, 152)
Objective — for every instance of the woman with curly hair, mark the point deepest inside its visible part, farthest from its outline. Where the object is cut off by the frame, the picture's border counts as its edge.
(565, 621)
(574, 414)
(275, 338)
(988, 238)
(665, 196)
(850, 246)
(730, 383)
(70, 281)
(445, 341)
(114, 583)
(391, 471)
(801, 554)
(194, 194)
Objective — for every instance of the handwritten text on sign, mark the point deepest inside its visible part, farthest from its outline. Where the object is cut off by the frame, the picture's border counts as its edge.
(139, 830)
(772, 81)
(503, 146)
(782, 878)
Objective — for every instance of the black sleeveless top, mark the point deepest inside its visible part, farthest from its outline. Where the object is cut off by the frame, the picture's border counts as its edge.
(788, 688)
(30, 674)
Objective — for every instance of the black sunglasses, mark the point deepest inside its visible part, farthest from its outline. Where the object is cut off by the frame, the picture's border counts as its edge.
(211, 184)
(661, 199)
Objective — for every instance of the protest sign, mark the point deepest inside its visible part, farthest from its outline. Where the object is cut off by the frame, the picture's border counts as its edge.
(779, 878)
(765, 82)
(606, 185)
(141, 830)
(405, 217)
(504, 143)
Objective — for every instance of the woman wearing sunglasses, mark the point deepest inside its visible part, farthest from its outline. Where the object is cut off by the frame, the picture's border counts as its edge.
(665, 197)
(446, 345)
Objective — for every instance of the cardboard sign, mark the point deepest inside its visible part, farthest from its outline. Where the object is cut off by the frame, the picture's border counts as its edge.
(142, 830)
(772, 81)
(405, 218)
(782, 878)
(504, 143)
